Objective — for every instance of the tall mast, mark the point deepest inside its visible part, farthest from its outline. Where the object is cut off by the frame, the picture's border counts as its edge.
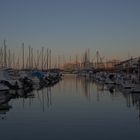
(50, 59)
(63, 61)
(37, 66)
(29, 57)
(42, 57)
(9, 58)
(76, 62)
(97, 63)
(139, 69)
(22, 55)
(32, 58)
(58, 62)
(1, 57)
(47, 58)
(14, 60)
(5, 54)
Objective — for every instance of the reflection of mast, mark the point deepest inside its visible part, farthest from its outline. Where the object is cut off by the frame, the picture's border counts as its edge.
(135, 99)
(139, 109)
(43, 101)
(23, 103)
(49, 97)
(128, 99)
(45, 98)
(86, 87)
(98, 94)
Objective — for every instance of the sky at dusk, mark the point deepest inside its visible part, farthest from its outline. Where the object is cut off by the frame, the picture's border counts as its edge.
(71, 26)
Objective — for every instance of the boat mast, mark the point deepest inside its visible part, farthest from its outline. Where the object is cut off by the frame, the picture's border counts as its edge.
(32, 55)
(97, 62)
(1, 56)
(13, 60)
(37, 65)
(59, 62)
(9, 58)
(22, 55)
(76, 62)
(5, 54)
(29, 57)
(47, 58)
(50, 59)
(139, 70)
(42, 57)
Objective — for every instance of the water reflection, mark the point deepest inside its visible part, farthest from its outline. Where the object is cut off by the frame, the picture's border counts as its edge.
(87, 84)
(136, 102)
(71, 85)
(133, 100)
(44, 97)
(75, 108)
(4, 106)
(84, 84)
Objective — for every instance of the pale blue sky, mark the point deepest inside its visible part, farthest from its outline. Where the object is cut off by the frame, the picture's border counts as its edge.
(71, 26)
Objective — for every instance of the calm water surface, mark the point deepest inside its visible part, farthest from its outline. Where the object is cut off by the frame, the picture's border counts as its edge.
(74, 109)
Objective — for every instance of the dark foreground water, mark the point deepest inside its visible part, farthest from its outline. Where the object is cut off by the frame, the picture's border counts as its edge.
(74, 109)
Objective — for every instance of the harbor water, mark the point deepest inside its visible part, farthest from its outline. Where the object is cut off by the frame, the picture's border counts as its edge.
(74, 109)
